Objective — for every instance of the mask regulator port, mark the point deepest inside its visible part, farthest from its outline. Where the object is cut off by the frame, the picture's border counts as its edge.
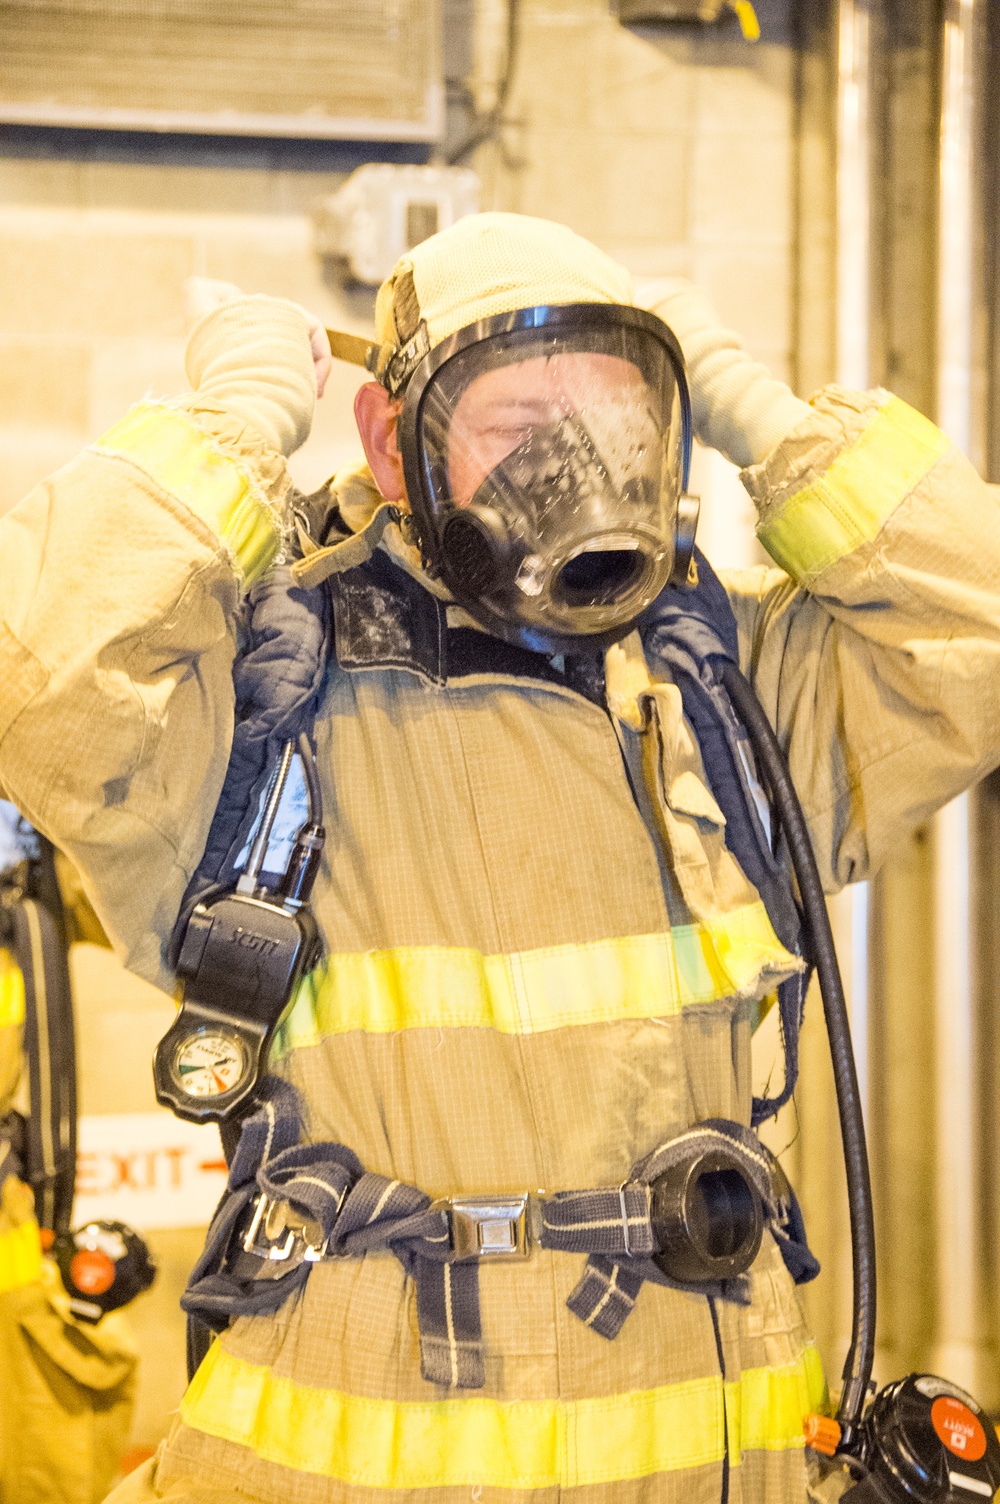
(707, 1219)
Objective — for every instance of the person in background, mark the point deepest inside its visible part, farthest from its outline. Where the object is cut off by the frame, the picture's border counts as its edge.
(67, 1384)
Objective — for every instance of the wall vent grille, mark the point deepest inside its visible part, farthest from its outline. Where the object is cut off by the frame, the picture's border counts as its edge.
(341, 69)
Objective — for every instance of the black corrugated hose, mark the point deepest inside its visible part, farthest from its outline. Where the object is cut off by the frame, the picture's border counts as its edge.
(313, 792)
(774, 768)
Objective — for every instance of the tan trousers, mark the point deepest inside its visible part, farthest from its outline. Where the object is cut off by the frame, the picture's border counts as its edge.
(66, 1394)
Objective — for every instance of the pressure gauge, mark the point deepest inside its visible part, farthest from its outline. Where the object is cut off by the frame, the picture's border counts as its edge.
(241, 956)
(241, 961)
(209, 1063)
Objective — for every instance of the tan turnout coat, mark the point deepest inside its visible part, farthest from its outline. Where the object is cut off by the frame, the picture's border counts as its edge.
(526, 985)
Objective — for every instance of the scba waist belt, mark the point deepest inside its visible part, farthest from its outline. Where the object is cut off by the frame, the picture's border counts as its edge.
(691, 1213)
(477, 1227)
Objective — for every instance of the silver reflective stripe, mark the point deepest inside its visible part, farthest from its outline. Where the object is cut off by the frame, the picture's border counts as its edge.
(759, 798)
(974, 1486)
(291, 815)
(43, 1108)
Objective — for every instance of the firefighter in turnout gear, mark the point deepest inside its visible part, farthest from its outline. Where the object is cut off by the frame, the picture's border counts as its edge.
(67, 1383)
(545, 939)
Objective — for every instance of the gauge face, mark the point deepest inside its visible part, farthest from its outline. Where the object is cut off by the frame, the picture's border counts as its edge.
(208, 1064)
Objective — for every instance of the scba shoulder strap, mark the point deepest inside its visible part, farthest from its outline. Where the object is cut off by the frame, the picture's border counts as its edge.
(687, 634)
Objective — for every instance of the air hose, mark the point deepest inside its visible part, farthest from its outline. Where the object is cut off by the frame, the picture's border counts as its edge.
(823, 955)
(923, 1440)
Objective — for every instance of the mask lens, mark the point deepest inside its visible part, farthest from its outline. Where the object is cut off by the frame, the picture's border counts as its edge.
(551, 465)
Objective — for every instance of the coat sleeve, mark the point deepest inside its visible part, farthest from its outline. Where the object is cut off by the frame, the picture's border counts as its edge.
(875, 647)
(121, 579)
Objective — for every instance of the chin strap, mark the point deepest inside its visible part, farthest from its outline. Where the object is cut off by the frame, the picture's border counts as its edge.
(318, 564)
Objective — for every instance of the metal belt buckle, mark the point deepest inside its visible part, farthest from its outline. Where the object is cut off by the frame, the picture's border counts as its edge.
(263, 1213)
(270, 1220)
(487, 1227)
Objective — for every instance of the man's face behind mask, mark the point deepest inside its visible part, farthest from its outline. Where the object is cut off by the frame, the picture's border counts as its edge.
(505, 409)
(544, 466)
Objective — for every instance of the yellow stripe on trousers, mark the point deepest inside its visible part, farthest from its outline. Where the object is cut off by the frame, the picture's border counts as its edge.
(500, 1444)
(527, 992)
(20, 1256)
(11, 992)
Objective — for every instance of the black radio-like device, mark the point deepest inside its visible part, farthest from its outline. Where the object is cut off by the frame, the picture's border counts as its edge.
(242, 956)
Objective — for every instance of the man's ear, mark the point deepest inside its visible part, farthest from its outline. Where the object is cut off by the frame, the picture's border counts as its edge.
(375, 414)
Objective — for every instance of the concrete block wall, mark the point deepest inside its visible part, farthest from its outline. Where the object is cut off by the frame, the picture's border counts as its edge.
(672, 151)
(671, 148)
(93, 260)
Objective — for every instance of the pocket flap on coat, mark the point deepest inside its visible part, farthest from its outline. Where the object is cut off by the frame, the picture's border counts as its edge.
(689, 796)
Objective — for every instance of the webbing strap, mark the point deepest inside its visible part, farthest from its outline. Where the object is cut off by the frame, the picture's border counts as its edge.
(50, 1146)
(685, 634)
(614, 1226)
(318, 564)
(325, 1204)
(352, 1212)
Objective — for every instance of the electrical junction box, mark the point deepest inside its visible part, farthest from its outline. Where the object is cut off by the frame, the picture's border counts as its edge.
(649, 12)
(382, 210)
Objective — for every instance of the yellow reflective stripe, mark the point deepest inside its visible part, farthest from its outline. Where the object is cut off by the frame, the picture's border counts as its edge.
(766, 1407)
(174, 452)
(11, 992)
(528, 992)
(20, 1256)
(387, 1444)
(848, 505)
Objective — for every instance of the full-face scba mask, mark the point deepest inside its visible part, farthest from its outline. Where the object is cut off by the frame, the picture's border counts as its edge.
(546, 455)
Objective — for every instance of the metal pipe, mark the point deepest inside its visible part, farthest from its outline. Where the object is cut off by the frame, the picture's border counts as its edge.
(853, 194)
(251, 872)
(854, 370)
(956, 222)
(849, 911)
(957, 1222)
(960, 1350)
